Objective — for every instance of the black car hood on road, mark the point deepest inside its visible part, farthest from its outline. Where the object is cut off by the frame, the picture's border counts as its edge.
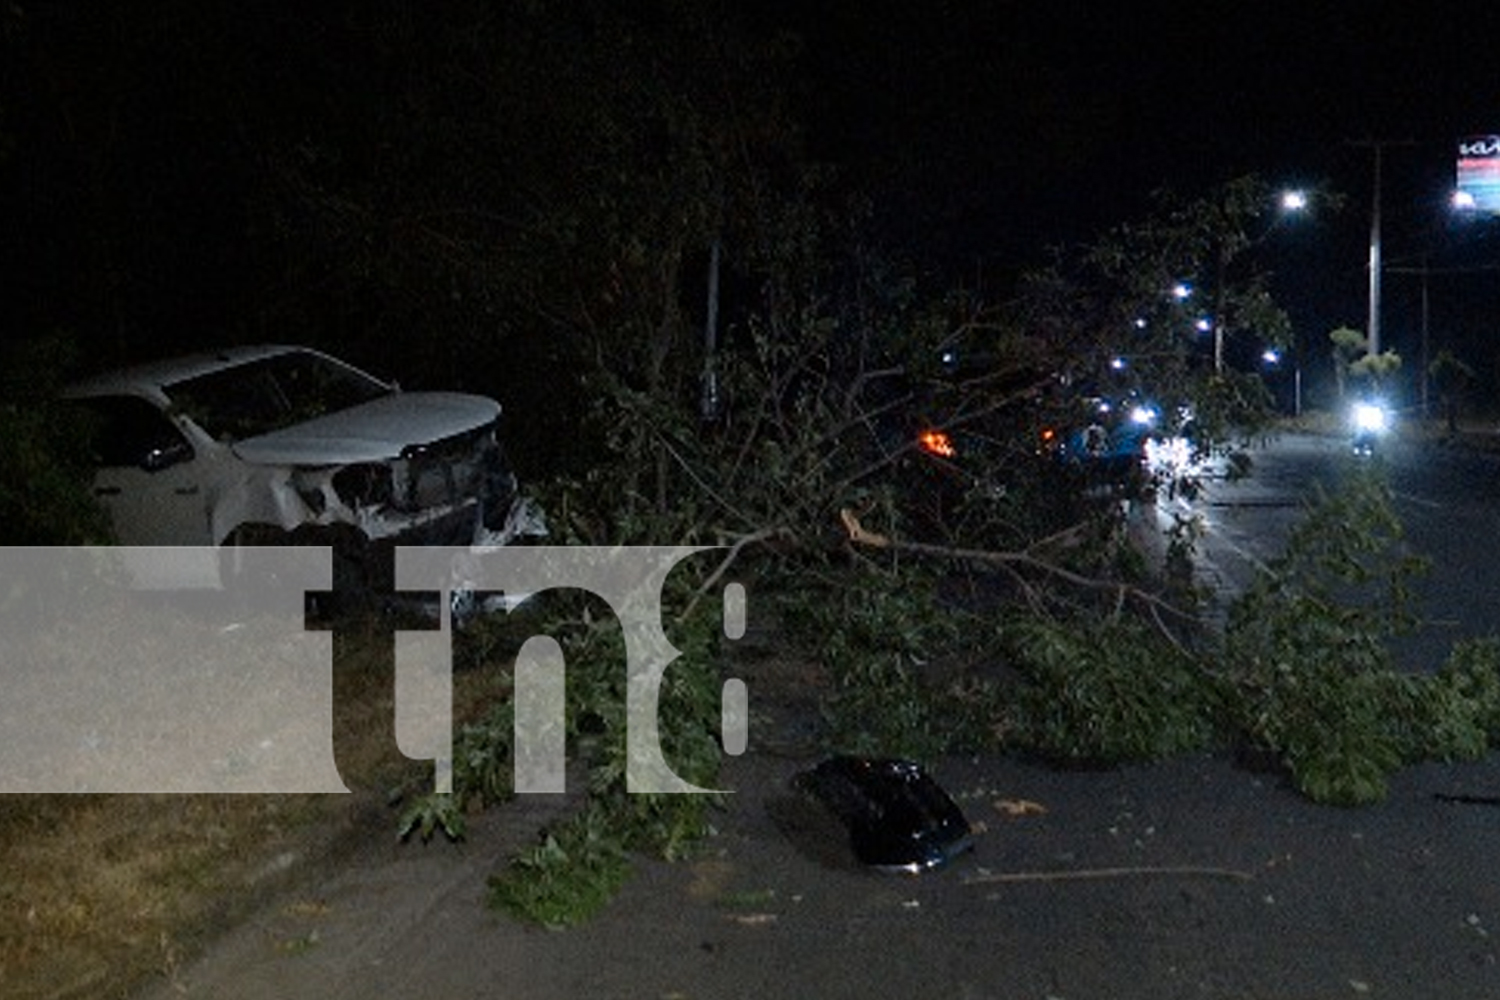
(899, 819)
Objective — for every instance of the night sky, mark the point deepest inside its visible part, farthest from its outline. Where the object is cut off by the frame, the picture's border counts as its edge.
(985, 133)
(998, 129)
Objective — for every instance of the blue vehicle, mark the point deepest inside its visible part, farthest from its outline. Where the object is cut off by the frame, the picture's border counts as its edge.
(1107, 449)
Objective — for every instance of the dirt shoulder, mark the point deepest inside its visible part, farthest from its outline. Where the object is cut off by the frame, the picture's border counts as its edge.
(102, 892)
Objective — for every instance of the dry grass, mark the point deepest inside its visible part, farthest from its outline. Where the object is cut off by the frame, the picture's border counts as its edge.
(100, 893)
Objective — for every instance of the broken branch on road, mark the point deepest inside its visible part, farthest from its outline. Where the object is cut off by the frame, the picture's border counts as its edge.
(1085, 874)
(1013, 562)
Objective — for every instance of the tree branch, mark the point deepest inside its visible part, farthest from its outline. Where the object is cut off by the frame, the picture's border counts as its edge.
(763, 535)
(1013, 562)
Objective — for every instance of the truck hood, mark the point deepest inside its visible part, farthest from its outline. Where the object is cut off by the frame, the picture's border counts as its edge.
(371, 432)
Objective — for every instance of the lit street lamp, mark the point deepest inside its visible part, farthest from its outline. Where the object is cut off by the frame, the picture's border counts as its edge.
(1290, 203)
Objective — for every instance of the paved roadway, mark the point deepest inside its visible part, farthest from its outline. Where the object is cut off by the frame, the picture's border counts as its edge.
(1195, 878)
(1186, 880)
(1448, 500)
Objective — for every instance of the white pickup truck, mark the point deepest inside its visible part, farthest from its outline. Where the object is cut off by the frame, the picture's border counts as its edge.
(277, 445)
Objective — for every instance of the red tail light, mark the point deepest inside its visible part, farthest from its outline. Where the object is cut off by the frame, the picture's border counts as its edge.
(937, 443)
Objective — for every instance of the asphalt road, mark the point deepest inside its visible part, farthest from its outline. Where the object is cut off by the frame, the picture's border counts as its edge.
(1190, 879)
(1448, 501)
(1195, 878)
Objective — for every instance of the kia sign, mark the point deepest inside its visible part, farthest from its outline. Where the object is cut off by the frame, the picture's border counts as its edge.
(1479, 173)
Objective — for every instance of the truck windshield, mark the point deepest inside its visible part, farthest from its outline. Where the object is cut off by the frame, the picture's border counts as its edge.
(270, 393)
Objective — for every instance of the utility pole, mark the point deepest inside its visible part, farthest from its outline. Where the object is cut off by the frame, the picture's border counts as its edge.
(1372, 335)
(1219, 309)
(1426, 359)
(1425, 271)
(708, 405)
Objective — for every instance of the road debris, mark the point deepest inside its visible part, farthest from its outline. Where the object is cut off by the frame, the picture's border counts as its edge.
(1084, 874)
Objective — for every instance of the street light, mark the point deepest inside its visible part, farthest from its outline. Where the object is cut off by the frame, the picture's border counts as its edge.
(1291, 202)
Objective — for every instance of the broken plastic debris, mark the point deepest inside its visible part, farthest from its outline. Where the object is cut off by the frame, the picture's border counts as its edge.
(897, 817)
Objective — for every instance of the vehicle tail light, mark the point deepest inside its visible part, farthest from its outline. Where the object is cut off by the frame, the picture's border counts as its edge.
(936, 442)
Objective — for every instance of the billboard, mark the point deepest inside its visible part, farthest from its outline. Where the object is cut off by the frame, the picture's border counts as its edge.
(1479, 173)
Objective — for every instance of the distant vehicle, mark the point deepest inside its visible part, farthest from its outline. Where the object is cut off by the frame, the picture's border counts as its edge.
(278, 445)
(1369, 421)
(1106, 450)
(898, 818)
(950, 449)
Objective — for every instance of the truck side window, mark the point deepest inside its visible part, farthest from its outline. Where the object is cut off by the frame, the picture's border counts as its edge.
(129, 431)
